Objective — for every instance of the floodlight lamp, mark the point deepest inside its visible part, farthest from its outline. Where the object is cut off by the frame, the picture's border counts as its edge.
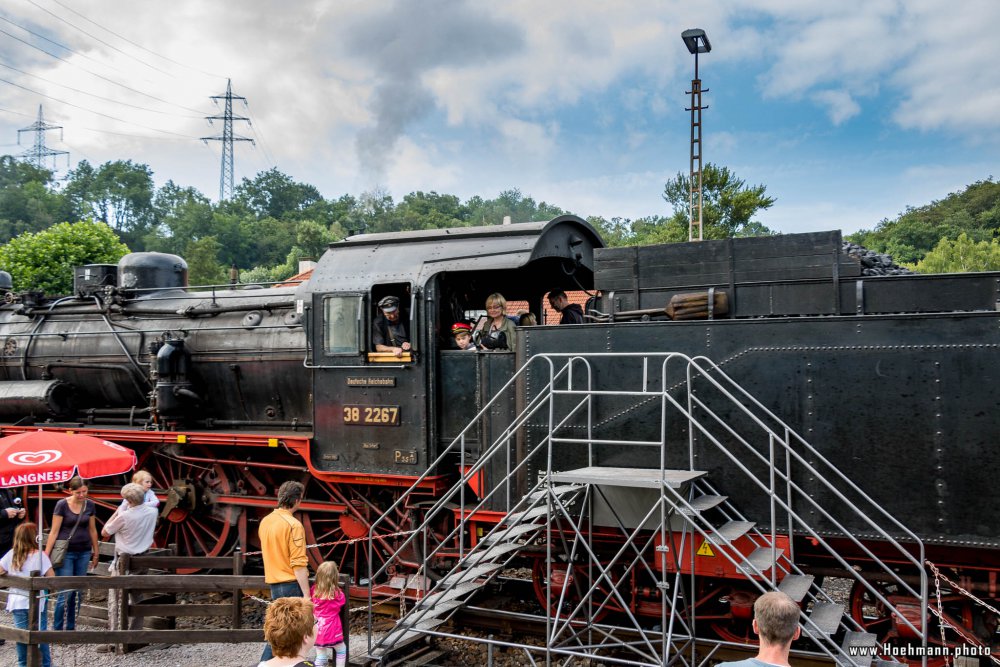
(696, 40)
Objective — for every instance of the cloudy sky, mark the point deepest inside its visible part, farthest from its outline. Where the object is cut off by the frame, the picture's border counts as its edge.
(848, 111)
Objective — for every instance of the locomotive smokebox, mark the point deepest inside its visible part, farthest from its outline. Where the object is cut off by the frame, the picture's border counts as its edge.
(141, 273)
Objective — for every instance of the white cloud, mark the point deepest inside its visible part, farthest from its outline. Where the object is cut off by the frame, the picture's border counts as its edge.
(840, 106)
(460, 95)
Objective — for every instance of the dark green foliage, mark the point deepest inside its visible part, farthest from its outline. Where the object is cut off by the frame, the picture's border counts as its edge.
(27, 200)
(975, 212)
(274, 221)
(118, 193)
(728, 204)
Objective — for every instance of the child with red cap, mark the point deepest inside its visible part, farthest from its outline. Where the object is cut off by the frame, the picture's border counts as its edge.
(463, 336)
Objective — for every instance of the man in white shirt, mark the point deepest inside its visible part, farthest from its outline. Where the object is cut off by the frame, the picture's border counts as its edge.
(133, 530)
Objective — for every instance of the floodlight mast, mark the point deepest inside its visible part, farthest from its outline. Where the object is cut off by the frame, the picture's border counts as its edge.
(697, 42)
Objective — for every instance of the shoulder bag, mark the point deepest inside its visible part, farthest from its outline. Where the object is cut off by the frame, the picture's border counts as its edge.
(60, 548)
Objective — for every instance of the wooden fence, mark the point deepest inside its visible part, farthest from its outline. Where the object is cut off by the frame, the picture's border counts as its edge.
(159, 592)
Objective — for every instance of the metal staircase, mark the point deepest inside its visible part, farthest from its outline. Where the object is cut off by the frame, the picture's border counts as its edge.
(662, 517)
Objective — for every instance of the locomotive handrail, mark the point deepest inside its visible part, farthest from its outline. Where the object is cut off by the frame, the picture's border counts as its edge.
(922, 595)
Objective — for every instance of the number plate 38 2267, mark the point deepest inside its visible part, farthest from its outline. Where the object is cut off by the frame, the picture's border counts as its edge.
(371, 415)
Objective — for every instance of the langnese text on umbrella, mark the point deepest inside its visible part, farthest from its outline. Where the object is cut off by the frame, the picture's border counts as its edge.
(53, 477)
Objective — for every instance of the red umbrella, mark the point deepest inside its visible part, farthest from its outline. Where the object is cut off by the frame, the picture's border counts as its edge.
(53, 457)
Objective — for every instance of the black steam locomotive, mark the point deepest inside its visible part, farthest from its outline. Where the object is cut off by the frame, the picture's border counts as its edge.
(227, 391)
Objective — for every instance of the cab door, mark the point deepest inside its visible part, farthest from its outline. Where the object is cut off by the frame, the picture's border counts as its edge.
(370, 407)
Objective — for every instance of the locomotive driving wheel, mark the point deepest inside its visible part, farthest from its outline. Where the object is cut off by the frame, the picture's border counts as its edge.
(342, 536)
(727, 606)
(570, 584)
(193, 514)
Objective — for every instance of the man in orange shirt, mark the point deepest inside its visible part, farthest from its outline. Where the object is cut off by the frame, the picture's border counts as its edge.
(283, 545)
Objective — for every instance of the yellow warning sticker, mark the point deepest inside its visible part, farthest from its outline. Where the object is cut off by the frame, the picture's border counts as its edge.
(705, 549)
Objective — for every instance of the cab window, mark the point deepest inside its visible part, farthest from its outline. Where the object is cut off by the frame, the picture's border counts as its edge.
(340, 331)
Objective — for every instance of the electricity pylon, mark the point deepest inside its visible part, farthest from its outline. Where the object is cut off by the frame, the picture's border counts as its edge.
(37, 153)
(227, 138)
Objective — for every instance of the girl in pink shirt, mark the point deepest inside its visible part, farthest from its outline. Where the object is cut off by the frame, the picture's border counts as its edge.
(328, 599)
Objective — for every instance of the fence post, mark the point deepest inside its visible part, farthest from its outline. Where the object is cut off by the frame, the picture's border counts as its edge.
(124, 565)
(237, 592)
(34, 652)
(345, 614)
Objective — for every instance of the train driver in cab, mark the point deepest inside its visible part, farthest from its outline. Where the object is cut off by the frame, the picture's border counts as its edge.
(389, 332)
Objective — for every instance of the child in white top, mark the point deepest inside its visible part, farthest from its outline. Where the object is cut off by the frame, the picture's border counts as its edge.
(21, 561)
(145, 480)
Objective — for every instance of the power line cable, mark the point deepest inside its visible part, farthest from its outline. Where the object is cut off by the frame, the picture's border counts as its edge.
(100, 97)
(254, 127)
(99, 76)
(95, 37)
(19, 113)
(135, 44)
(52, 41)
(97, 131)
(98, 113)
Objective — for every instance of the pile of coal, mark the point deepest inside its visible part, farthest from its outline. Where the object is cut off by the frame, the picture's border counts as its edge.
(875, 263)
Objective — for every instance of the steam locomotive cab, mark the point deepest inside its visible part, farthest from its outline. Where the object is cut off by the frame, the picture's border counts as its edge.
(379, 414)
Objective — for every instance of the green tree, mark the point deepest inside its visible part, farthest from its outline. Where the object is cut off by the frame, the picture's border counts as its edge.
(119, 193)
(45, 260)
(430, 210)
(511, 203)
(183, 214)
(728, 205)
(27, 201)
(974, 211)
(268, 241)
(961, 255)
(203, 263)
(273, 194)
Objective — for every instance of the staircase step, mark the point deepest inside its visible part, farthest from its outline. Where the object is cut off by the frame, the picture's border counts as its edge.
(644, 478)
(491, 554)
(526, 515)
(703, 504)
(855, 639)
(827, 616)
(437, 608)
(796, 586)
(471, 574)
(558, 490)
(450, 594)
(760, 559)
(731, 531)
(512, 533)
